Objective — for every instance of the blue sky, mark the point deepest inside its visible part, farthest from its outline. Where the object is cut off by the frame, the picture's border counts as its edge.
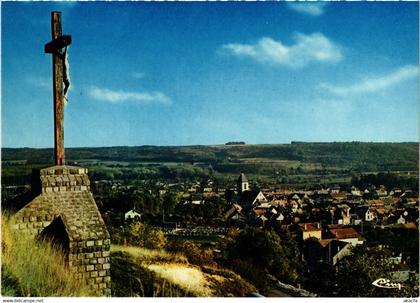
(208, 73)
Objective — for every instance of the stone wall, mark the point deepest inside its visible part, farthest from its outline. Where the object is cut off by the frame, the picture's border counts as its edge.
(90, 260)
(65, 194)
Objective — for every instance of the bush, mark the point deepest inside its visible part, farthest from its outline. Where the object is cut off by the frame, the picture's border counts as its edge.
(194, 254)
(143, 235)
(250, 272)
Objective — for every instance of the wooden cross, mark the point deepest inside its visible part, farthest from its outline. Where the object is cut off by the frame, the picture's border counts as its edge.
(55, 48)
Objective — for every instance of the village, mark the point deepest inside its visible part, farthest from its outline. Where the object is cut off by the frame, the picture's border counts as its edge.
(326, 223)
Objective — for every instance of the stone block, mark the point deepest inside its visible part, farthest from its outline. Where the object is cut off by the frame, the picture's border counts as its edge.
(90, 267)
(102, 273)
(32, 218)
(94, 274)
(93, 261)
(98, 266)
(106, 266)
(102, 285)
(101, 260)
(85, 261)
(98, 242)
(105, 254)
(98, 280)
(90, 243)
(98, 254)
(107, 279)
(107, 241)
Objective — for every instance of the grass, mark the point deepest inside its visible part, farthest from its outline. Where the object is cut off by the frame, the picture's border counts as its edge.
(35, 268)
(131, 279)
(189, 278)
(145, 272)
(144, 254)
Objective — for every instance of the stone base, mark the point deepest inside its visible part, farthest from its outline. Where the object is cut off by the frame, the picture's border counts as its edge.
(65, 194)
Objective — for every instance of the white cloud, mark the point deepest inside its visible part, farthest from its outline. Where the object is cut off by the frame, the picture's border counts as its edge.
(308, 8)
(306, 49)
(104, 94)
(374, 84)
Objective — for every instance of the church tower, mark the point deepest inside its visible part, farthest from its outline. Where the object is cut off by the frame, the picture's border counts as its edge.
(242, 183)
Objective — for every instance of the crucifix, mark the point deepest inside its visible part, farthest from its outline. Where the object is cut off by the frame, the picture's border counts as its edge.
(55, 47)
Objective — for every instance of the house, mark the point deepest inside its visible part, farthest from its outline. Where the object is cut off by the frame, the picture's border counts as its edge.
(335, 189)
(347, 235)
(355, 192)
(381, 192)
(335, 250)
(234, 213)
(401, 220)
(365, 213)
(329, 251)
(339, 196)
(310, 230)
(132, 215)
(376, 203)
(250, 198)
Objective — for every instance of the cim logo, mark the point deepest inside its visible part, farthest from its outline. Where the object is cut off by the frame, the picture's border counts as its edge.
(386, 283)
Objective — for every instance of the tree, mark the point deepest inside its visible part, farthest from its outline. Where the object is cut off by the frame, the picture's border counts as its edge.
(263, 250)
(364, 266)
(169, 202)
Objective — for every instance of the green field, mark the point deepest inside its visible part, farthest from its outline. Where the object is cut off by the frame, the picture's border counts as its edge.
(293, 164)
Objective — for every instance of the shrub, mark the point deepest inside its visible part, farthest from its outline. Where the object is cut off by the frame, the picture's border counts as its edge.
(194, 254)
(143, 235)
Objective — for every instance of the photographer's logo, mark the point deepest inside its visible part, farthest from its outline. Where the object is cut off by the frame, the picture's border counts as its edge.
(386, 283)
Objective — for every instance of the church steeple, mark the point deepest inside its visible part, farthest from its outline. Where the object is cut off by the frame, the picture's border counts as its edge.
(242, 183)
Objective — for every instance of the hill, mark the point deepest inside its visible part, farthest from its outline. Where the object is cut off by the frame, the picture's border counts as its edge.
(366, 156)
(295, 164)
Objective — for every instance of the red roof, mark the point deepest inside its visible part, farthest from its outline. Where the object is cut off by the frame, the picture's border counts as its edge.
(310, 226)
(345, 233)
(259, 212)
